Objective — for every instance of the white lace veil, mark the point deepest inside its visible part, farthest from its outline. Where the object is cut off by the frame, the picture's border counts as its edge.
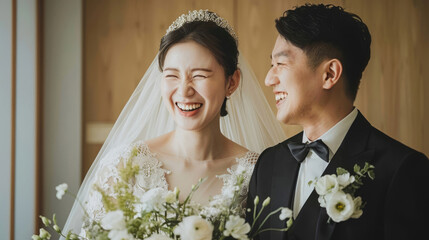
(250, 122)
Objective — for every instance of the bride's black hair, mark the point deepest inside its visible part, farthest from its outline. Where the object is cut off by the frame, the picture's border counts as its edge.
(221, 44)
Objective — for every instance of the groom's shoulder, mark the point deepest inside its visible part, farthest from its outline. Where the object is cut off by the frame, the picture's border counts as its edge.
(388, 144)
(384, 144)
(280, 147)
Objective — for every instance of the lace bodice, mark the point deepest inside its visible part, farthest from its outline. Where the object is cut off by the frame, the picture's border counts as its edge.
(152, 175)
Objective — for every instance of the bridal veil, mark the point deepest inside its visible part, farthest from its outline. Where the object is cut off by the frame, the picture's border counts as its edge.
(250, 122)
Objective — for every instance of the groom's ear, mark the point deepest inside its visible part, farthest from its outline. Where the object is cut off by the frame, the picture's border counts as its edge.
(332, 73)
(233, 82)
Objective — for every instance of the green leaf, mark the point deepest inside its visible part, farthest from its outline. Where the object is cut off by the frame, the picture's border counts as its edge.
(371, 174)
(356, 168)
(341, 171)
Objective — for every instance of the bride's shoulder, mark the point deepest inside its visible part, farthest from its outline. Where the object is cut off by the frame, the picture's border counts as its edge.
(246, 155)
(116, 155)
(251, 157)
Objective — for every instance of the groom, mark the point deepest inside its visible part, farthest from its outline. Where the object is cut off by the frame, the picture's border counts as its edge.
(317, 63)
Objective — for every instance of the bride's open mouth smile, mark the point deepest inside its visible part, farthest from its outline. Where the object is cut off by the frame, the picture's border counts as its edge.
(188, 109)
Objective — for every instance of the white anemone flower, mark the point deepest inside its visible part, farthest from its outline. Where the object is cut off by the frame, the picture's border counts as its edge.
(237, 228)
(61, 190)
(194, 228)
(345, 179)
(340, 206)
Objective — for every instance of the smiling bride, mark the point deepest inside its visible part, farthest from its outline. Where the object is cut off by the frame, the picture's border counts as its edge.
(215, 119)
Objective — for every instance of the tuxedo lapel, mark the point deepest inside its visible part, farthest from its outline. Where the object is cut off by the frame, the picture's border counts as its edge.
(311, 222)
(283, 186)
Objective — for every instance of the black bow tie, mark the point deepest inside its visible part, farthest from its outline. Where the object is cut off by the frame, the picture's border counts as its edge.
(300, 150)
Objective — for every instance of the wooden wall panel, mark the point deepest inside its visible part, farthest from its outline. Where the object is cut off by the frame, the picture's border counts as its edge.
(392, 92)
(121, 38)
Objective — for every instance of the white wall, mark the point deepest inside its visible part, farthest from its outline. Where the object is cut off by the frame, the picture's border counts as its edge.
(61, 103)
(5, 109)
(61, 110)
(25, 119)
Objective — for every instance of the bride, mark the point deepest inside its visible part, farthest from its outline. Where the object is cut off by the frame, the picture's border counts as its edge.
(214, 119)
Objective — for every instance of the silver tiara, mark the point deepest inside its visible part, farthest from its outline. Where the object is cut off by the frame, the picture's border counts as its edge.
(204, 16)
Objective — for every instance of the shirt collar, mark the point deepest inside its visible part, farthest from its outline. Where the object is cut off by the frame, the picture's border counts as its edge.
(335, 136)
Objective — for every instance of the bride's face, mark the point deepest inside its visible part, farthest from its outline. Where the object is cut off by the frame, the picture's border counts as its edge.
(193, 86)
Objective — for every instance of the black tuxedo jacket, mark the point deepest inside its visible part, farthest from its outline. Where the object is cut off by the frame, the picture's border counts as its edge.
(397, 200)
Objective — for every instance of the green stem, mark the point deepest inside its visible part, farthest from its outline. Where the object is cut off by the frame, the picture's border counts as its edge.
(257, 216)
(272, 229)
(266, 218)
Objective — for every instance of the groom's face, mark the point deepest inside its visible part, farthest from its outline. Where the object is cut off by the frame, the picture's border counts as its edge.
(296, 85)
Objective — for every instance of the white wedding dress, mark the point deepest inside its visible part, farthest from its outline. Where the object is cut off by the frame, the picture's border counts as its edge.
(152, 175)
(250, 123)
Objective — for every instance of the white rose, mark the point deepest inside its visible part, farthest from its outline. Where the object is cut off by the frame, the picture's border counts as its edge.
(113, 220)
(358, 211)
(153, 200)
(285, 213)
(345, 179)
(194, 228)
(158, 237)
(237, 228)
(326, 184)
(340, 206)
(120, 235)
(61, 190)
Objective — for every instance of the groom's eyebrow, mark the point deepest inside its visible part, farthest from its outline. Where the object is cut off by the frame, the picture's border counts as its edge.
(281, 54)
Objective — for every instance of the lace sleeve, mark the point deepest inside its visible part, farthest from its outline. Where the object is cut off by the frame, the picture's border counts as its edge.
(150, 175)
(105, 178)
(244, 167)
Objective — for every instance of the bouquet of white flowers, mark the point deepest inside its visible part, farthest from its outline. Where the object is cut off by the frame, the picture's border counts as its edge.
(159, 215)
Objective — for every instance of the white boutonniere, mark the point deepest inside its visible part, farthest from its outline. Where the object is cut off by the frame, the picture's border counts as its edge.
(337, 192)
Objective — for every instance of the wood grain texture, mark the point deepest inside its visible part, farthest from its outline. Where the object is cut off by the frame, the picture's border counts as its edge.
(121, 38)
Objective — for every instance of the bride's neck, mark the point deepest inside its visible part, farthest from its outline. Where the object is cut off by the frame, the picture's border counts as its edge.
(205, 144)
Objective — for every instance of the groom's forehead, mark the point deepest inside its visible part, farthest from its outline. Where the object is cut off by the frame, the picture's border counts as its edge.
(284, 48)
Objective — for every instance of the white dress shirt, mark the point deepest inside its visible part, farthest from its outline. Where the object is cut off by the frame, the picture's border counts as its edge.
(313, 166)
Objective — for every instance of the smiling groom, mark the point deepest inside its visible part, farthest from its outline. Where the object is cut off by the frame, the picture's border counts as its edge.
(317, 63)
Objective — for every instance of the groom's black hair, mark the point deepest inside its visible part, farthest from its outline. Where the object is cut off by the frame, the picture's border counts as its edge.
(327, 32)
(221, 44)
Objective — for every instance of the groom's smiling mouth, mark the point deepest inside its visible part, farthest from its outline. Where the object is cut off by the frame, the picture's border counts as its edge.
(280, 97)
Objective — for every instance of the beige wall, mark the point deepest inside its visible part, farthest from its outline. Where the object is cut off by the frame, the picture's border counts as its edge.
(121, 38)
